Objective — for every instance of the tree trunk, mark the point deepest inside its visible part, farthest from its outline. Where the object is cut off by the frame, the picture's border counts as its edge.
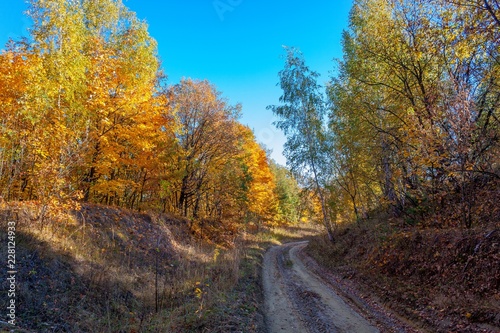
(389, 191)
(326, 218)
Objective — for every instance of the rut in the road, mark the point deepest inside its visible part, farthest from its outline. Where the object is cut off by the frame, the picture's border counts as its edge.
(298, 301)
(311, 310)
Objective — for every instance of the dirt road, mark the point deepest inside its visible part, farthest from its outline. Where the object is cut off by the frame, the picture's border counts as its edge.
(296, 300)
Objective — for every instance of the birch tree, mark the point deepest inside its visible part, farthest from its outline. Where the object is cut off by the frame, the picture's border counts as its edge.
(301, 118)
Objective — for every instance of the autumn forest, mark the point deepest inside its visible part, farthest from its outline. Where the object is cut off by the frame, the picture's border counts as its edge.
(87, 116)
(411, 117)
(392, 160)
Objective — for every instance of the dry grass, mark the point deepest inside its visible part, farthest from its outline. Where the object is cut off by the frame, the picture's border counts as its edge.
(103, 269)
(445, 280)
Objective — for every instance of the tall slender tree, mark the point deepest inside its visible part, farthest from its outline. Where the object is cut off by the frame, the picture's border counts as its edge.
(301, 118)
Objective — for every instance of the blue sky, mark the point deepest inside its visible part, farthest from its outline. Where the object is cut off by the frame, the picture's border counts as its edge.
(235, 44)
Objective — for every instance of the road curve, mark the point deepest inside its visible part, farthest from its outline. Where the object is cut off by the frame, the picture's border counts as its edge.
(296, 300)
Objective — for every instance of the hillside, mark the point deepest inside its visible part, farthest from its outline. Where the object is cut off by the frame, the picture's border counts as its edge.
(104, 269)
(442, 279)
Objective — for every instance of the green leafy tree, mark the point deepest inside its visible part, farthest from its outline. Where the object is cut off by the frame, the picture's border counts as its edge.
(288, 193)
(301, 118)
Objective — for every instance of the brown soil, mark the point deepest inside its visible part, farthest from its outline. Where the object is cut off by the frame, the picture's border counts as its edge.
(442, 280)
(300, 297)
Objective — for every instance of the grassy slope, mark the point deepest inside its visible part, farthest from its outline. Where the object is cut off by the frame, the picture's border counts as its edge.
(103, 269)
(444, 280)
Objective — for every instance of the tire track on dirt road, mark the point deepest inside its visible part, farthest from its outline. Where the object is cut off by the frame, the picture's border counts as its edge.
(296, 300)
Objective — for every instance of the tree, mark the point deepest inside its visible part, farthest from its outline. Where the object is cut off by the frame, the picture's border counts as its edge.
(91, 111)
(261, 186)
(121, 101)
(288, 194)
(206, 139)
(86, 115)
(20, 122)
(417, 98)
(301, 119)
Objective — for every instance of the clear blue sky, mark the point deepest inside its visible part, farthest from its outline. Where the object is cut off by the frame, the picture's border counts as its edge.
(235, 44)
